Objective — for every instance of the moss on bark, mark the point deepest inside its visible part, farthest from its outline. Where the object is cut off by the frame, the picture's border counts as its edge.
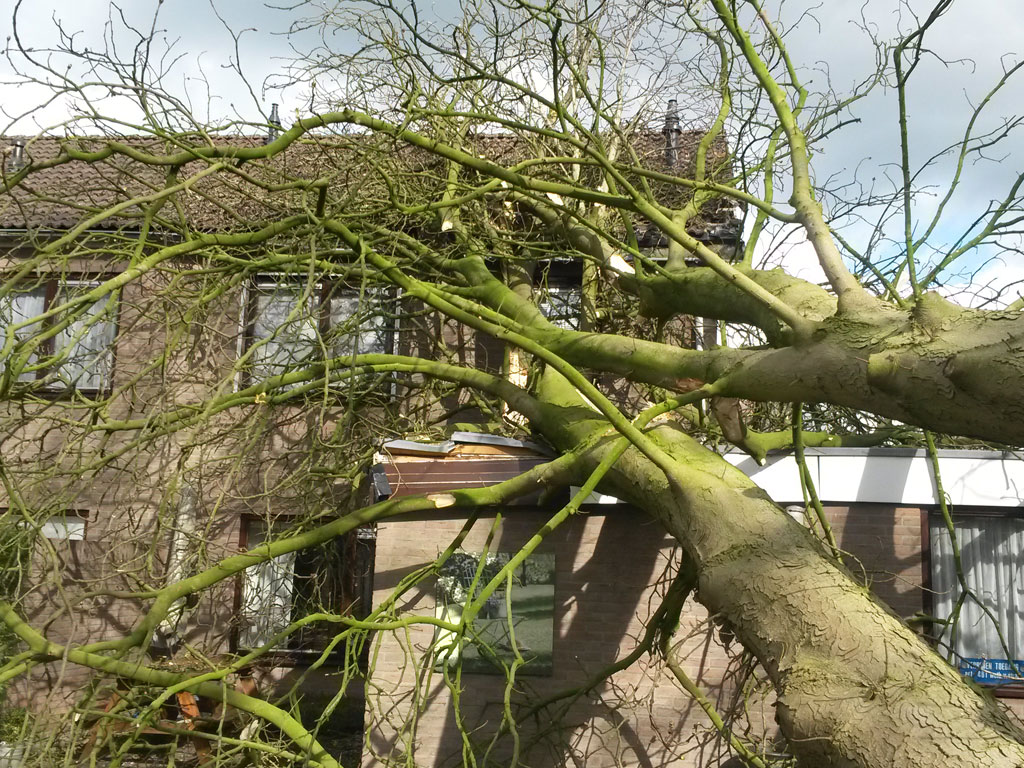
(855, 685)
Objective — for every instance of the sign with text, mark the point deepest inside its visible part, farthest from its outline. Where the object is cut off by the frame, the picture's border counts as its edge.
(993, 671)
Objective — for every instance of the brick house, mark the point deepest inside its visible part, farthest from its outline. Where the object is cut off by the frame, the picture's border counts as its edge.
(196, 496)
(118, 515)
(610, 571)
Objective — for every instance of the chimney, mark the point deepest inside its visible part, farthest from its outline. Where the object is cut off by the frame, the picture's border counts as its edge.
(671, 132)
(275, 125)
(16, 161)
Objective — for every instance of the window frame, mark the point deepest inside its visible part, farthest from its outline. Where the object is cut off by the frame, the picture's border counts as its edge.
(297, 655)
(75, 514)
(56, 388)
(540, 661)
(932, 515)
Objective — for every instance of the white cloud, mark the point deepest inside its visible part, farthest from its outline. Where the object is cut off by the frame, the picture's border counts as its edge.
(787, 247)
(994, 286)
(186, 32)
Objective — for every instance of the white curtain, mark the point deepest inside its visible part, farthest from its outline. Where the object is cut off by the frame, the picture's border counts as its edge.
(289, 342)
(358, 323)
(63, 528)
(88, 340)
(18, 307)
(991, 550)
(267, 591)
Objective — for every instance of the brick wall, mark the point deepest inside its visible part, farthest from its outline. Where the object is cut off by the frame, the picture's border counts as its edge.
(884, 547)
(601, 599)
(612, 566)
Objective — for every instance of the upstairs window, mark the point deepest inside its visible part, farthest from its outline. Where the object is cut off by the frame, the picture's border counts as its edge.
(284, 327)
(77, 356)
(991, 548)
(292, 324)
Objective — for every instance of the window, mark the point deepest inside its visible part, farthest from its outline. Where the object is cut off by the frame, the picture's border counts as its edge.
(560, 304)
(69, 526)
(292, 324)
(557, 288)
(530, 623)
(335, 577)
(78, 355)
(991, 549)
(65, 526)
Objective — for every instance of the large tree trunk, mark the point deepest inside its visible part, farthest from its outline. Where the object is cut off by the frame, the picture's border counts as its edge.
(939, 366)
(855, 685)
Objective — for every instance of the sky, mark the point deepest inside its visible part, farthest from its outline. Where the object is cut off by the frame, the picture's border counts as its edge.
(209, 40)
(200, 35)
(969, 48)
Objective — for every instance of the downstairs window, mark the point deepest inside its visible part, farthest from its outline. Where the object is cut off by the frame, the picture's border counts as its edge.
(335, 578)
(991, 549)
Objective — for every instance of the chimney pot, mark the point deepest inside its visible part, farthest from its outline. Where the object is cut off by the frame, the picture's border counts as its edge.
(275, 124)
(16, 161)
(671, 132)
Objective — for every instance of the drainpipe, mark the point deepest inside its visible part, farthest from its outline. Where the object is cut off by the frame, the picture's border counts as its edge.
(166, 637)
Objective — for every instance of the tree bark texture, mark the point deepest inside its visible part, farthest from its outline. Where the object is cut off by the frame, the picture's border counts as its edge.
(856, 687)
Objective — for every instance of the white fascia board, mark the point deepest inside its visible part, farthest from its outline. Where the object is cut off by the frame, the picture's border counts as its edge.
(892, 476)
(778, 476)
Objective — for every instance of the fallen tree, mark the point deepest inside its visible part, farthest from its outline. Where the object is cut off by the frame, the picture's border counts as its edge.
(459, 197)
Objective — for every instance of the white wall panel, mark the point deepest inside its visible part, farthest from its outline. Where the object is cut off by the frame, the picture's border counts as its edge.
(893, 476)
(778, 476)
(892, 479)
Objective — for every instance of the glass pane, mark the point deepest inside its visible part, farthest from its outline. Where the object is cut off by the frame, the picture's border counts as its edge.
(88, 341)
(529, 624)
(63, 527)
(267, 591)
(15, 308)
(359, 323)
(284, 328)
(321, 586)
(561, 305)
